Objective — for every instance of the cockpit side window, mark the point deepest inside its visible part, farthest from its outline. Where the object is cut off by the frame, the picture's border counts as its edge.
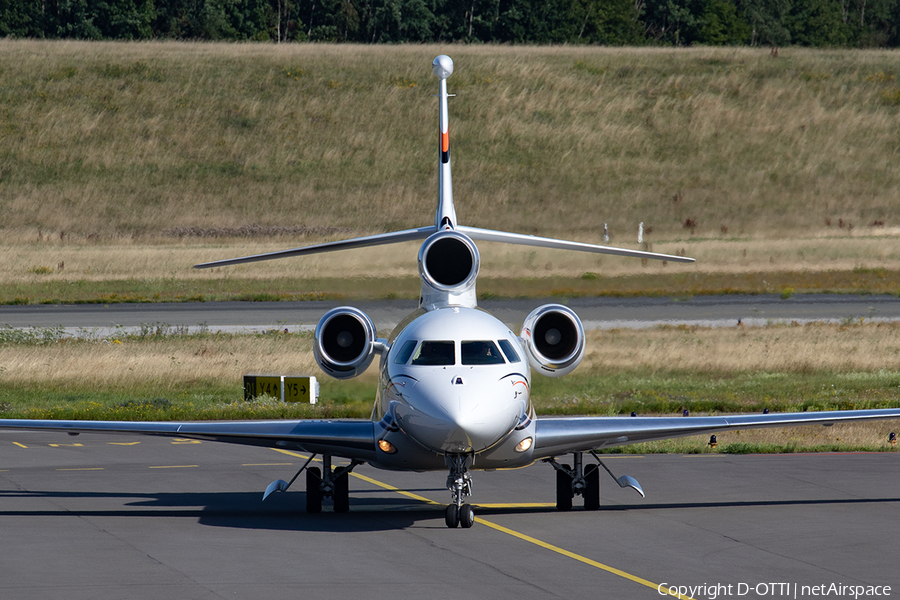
(481, 353)
(510, 352)
(405, 352)
(435, 354)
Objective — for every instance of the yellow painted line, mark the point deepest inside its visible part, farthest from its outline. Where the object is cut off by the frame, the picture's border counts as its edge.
(123, 443)
(175, 467)
(267, 464)
(395, 489)
(518, 505)
(703, 455)
(66, 445)
(83, 469)
(295, 454)
(20, 445)
(580, 558)
(185, 441)
(527, 538)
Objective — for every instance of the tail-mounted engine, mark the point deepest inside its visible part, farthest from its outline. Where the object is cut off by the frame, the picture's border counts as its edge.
(449, 264)
(345, 342)
(554, 340)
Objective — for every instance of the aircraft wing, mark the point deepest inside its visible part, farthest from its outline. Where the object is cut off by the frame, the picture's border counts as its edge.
(345, 438)
(555, 436)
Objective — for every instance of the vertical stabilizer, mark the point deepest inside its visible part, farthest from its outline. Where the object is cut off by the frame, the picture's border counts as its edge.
(445, 217)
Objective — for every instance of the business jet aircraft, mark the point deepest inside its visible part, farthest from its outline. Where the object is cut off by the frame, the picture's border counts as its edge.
(455, 382)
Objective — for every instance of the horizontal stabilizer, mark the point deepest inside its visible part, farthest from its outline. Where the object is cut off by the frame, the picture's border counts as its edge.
(363, 242)
(489, 235)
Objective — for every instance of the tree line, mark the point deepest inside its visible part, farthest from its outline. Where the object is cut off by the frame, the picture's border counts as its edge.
(821, 23)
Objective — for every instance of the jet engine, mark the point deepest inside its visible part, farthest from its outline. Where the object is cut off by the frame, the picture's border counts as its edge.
(554, 340)
(344, 343)
(449, 264)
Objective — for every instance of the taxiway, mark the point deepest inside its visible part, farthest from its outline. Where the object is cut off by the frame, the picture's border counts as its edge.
(121, 516)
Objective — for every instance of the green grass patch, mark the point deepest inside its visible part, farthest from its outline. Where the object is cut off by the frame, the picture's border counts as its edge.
(786, 284)
(673, 392)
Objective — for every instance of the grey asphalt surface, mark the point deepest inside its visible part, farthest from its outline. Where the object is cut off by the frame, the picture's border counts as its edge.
(140, 517)
(595, 312)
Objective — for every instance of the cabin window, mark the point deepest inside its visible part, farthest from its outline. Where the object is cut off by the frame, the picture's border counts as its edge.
(481, 353)
(510, 352)
(405, 352)
(435, 354)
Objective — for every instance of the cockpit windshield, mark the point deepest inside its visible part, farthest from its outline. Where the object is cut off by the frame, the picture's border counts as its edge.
(443, 353)
(481, 353)
(435, 354)
(405, 352)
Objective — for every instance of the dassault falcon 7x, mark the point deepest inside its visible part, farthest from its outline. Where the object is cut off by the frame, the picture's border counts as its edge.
(455, 383)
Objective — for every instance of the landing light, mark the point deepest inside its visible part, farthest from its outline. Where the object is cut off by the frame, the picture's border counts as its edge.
(524, 445)
(386, 447)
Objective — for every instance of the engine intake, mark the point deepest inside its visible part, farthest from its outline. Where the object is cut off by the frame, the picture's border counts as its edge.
(344, 343)
(554, 340)
(449, 261)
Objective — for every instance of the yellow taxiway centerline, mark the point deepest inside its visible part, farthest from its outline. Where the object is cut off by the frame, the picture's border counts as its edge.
(83, 469)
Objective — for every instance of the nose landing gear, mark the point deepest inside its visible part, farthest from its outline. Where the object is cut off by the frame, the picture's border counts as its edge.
(459, 482)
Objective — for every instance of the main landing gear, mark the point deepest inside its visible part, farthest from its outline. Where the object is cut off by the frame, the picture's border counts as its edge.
(322, 483)
(460, 485)
(584, 481)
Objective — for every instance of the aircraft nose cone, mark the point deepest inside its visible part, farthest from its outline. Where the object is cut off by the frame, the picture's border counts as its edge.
(442, 67)
(454, 420)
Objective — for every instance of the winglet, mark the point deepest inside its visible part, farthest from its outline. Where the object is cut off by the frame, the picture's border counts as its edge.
(445, 217)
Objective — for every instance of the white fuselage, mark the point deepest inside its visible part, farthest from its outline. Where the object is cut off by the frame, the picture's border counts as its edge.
(456, 381)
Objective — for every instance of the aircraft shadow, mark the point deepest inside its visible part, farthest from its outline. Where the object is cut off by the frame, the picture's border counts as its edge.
(232, 509)
(286, 512)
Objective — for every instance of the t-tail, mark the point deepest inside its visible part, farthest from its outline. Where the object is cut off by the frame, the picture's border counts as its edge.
(445, 215)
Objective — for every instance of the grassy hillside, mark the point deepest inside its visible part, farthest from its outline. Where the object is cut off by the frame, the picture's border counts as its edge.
(751, 163)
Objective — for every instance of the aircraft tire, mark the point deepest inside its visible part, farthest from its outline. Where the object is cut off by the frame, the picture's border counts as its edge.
(564, 493)
(313, 490)
(452, 516)
(466, 516)
(591, 487)
(342, 493)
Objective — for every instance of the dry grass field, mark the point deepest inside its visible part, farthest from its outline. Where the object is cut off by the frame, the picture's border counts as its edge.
(123, 164)
(659, 371)
(124, 161)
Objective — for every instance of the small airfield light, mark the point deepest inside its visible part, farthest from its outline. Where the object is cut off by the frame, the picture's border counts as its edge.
(892, 439)
(713, 442)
